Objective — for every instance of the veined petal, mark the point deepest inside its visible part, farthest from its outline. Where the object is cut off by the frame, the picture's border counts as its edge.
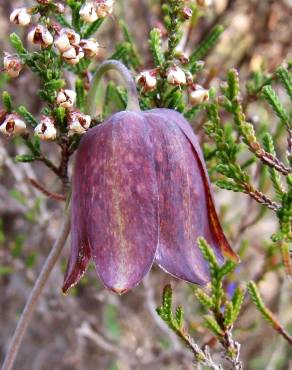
(183, 201)
(221, 243)
(115, 163)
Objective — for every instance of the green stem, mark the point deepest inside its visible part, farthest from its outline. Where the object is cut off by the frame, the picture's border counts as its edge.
(133, 102)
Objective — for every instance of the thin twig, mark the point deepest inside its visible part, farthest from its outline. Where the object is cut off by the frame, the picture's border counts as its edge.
(46, 192)
(35, 295)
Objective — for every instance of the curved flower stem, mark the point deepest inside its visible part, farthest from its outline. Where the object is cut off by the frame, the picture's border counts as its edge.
(35, 295)
(133, 102)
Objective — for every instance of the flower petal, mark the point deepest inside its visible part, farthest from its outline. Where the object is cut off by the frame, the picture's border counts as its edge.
(183, 201)
(115, 163)
(221, 244)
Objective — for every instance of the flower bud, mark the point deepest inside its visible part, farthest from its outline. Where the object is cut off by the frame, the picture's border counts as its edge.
(148, 80)
(46, 129)
(187, 13)
(176, 76)
(198, 94)
(66, 98)
(20, 16)
(40, 35)
(60, 8)
(66, 39)
(12, 65)
(73, 55)
(78, 122)
(13, 125)
(204, 3)
(104, 7)
(88, 13)
(90, 47)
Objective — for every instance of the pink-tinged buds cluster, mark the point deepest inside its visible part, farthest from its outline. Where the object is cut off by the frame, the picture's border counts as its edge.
(12, 65)
(20, 17)
(198, 95)
(176, 76)
(40, 35)
(66, 98)
(12, 125)
(46, 129)
(147, 80)
(92, 11)
(78, 123)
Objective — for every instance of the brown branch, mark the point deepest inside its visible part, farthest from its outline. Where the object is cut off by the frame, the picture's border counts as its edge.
(46, 192)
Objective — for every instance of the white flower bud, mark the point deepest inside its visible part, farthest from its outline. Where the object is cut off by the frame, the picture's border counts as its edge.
(12, 65)
(46, 129)
(148, 80)
(20, 16)
(40, 35)
(88, 13)
(62, 43)
(90, 47)
(176, 76)
(13, 125)
(66, 98)
(73, 55)
(78, 123)
(198, 95)
(104, 7)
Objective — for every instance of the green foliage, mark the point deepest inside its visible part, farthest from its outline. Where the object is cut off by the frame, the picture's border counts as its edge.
(206, 45)
(7, 102)
(272, 98)
(28, 117)
(155, 47)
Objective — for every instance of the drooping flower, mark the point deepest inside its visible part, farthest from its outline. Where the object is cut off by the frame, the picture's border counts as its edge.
(66, 39)
(88, 13)
(198, 94)
(40, 35)
(73, 55)
(104, 7)
(141, 194)
(46, 129)
(78, 123)
(20, 16)
(66, 98)
(148, 80)
(90, 47)
(176, 76)
(12, 65)
(12, 125)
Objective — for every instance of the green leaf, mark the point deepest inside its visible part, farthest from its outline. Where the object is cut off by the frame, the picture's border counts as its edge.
(17, 44)
(25, 158)
(272, 98)
(7, 102)
(54, 85)
(211, 324)
(155, 47)
(80, 91)
(237, 301)
(286, 79)
(209, 42)
(28, 117)
(90, 29)
(275, 176)
(204, 299)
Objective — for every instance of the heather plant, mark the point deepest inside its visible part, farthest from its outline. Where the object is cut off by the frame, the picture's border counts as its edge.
(242, 155)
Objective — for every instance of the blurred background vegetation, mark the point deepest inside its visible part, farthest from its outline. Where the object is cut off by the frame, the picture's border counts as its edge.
(92, 329)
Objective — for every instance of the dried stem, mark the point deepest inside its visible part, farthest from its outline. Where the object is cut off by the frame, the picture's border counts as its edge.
(35, 295)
